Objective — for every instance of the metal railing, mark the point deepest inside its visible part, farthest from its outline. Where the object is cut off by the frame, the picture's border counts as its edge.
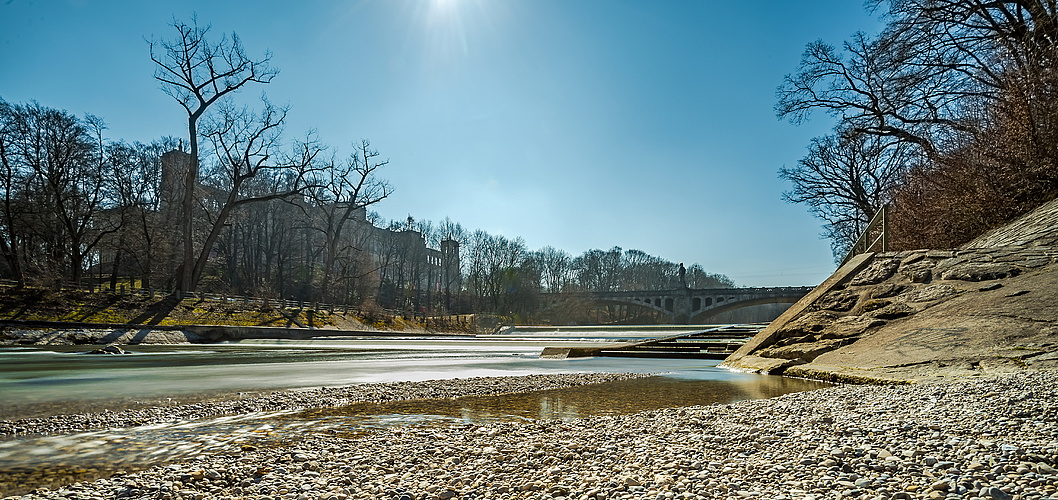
(879, 224)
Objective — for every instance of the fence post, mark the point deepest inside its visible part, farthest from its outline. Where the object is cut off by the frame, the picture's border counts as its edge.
(885, 228)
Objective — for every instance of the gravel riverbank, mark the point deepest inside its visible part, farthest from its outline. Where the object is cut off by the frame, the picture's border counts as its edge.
(980, 438)
(306, 398)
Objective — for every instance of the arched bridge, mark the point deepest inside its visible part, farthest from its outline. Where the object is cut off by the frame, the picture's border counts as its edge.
(691, 305)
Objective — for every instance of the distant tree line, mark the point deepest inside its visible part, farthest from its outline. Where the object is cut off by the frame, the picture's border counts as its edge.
(949, 114)
(503, 276)
(237, 209)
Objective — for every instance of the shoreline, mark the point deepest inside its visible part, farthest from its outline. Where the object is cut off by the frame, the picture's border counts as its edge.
(993, 437)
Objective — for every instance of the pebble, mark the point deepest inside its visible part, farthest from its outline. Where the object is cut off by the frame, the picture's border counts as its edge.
(312, 398)
(778, 448)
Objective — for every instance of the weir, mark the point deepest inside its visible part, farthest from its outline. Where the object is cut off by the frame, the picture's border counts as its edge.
(712, 343)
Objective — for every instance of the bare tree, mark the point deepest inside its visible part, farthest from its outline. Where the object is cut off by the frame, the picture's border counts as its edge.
(598, 270)
(342, 195)
(250, 168)
(556, 268)
(197, 73)
(844, 180)
(870, 91)
(12, 179)
(697, 277)
(135, 170)
(55, 188)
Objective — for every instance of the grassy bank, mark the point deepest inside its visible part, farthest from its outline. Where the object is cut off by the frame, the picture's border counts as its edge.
(81, 306)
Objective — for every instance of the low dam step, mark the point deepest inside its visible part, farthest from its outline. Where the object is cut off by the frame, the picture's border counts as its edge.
(714, 343)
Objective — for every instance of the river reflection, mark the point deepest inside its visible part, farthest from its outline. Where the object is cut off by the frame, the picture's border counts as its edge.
(614, 398)
(51, 461)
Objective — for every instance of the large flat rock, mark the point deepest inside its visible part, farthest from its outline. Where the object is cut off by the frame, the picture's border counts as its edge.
(1012, 326)
(970, 324)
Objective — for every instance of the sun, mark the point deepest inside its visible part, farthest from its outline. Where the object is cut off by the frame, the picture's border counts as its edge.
(445, 28)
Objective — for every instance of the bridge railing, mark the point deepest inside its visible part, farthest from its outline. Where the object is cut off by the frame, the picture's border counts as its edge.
(716, 291)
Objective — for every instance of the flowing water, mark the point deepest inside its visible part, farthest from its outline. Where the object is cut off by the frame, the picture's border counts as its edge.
(59, 379)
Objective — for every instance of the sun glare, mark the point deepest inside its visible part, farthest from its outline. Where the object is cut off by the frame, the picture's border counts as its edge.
(446, 29)
(443, 4)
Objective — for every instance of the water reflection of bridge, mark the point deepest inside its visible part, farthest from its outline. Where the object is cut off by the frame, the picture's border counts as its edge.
(686, 305)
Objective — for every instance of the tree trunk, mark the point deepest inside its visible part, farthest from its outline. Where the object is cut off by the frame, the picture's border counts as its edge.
(186, 281)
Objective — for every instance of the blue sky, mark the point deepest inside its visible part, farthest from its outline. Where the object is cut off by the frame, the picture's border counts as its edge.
(572, 123)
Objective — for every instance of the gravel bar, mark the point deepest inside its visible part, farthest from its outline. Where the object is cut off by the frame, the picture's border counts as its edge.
(307, 398)
(989, 438)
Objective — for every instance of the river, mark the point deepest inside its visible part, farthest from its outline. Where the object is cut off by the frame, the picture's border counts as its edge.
(43, 380)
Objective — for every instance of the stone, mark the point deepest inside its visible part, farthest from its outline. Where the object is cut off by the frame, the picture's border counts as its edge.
(559, 490)
(919, 272)
(972, 271)
(892, 311)
(1034, 262)
(808, 324)
(838, 300)
(849, 326)
(804, 351)
(886, 290)
(994, 493)
(914, 257)
(872, 304)
(934, 292)
(795, 340)
(110, 349)
(877, 272)
(664, 480)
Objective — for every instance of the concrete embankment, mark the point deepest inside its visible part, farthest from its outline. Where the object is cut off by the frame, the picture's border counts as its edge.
(914, 316)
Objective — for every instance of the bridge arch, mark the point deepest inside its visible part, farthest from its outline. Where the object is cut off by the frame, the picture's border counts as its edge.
(702, 316)
(687, 305)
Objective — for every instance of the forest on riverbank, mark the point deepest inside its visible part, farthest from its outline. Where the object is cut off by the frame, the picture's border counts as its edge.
(949, 115)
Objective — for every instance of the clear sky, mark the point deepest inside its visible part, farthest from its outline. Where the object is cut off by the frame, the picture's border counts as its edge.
(572, 123)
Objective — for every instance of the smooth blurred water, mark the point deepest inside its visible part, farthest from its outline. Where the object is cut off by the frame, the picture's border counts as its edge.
(49, 376)
(61, 379)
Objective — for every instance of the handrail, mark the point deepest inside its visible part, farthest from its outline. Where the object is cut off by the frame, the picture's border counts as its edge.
(880, 217)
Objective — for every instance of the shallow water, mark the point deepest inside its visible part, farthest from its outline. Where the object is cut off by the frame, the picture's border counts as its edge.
(56, 460)
(60, 379)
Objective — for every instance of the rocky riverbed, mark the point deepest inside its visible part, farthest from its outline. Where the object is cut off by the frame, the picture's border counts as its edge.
(306, 398)
(990, 438)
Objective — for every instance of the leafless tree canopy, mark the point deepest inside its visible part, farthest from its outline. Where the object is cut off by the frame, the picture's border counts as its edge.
(197, 73)
(941, 82)
(236, 208)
